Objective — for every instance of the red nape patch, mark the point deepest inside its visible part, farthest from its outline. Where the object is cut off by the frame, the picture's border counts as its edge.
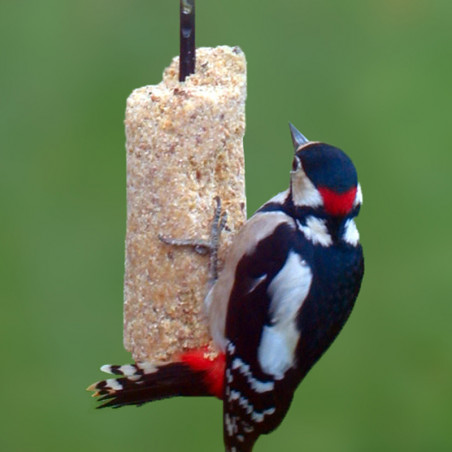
(200, 360)
(338, 204)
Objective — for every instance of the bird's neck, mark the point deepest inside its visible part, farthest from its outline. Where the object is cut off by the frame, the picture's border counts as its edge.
(315, 223)
(324, 229)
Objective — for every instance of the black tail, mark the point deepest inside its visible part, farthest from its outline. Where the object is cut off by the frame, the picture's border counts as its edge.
(142, 382)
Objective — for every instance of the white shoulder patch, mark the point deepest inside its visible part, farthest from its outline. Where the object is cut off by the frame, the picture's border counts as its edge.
(288, 290)
(316, 231)
(260, 226)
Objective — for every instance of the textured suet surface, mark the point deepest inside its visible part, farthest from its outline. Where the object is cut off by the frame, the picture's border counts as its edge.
(184, 148)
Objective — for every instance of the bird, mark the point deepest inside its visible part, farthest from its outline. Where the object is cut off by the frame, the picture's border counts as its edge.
(289, 282)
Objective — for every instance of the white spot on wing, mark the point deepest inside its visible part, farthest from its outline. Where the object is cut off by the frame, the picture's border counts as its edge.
(259, 417)
(255, 384)
(288, 290)
(316, 231)
(230, 424)
(243, 401)
(256, 416)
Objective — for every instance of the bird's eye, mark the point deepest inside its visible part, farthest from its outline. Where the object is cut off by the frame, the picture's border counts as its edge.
(296, 164)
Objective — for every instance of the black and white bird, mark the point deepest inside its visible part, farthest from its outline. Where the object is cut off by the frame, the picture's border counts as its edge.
(288, 285)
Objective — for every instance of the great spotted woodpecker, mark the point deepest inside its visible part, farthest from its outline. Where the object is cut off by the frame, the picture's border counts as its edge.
(287, 287)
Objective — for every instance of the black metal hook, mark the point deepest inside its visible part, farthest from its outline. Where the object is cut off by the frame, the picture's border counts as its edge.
(187, 56)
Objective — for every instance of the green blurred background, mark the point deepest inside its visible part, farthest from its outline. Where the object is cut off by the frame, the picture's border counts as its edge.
(373, 77)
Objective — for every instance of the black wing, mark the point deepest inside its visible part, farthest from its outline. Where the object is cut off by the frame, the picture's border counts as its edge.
(271, 284)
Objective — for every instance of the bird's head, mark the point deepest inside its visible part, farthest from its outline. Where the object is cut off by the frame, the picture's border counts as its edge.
(323, 177)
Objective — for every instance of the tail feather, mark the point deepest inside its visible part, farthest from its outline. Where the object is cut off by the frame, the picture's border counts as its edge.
(194, 375)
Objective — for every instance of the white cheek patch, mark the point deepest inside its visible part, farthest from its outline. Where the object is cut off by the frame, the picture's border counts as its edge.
(304, 192)
(359, 196)
(288, 291)
(316, 231)
(351, 233)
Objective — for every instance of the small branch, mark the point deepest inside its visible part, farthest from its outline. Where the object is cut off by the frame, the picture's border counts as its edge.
(187, 39)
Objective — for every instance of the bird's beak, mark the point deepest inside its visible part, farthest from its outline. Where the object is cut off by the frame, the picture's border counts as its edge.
(298, 138)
